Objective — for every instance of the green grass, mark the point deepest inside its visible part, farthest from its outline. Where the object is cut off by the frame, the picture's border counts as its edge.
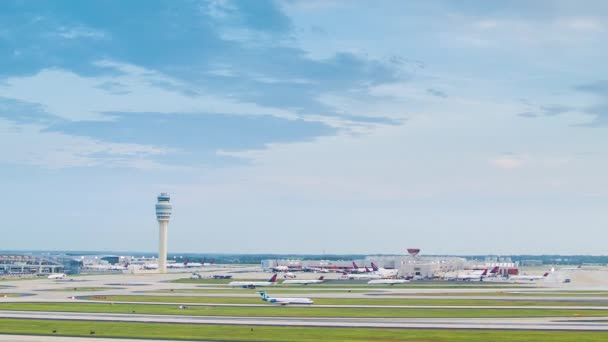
(255, 299)
(293, 311)
(293, 334)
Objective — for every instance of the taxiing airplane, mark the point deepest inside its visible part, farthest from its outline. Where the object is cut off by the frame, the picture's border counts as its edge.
(383, 271)
(577, 268)
(304, 281)
(528, 277)
(57, 276)
(361, 276)
(254, 284)
(285, 301)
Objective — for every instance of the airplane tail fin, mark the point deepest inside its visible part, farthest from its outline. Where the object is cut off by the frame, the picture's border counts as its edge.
(344, 273)
(546, 274)
(485, 272)
(494, 270)
(355, 265)
(366, 269)
(273, 279)
(374, 267)
(321, 277)
(263, 294)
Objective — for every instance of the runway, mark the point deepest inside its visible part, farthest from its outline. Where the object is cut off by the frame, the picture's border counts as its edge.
(536, 323)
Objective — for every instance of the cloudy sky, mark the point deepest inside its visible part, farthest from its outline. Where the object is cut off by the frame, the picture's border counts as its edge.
(305, 126)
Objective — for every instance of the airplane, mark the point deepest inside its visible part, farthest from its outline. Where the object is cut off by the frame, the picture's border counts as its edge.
(253, 284)
(357, 269)
(280, 269)
(383, 271)
(285, 301)
(528, 277)
(192, 264)
(57, 276)
(475, 275)
(388, 281)
(361, 276)
(304, 281)
(151, 266)
(577, 268)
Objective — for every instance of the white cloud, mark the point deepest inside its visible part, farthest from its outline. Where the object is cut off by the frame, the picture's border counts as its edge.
(31, 145)
(77, 32)
(74, 97)
(507, 162)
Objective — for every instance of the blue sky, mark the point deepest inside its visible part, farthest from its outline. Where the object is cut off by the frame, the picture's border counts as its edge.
(306, 126)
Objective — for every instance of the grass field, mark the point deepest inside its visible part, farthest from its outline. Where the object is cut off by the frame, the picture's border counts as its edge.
(295, 311)
(255, 299)
(294, 334)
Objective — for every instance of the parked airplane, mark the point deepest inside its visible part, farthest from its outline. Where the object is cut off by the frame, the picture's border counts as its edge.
(475, 275)
(253, 284)
(280, 268)
(357, 269)
(528, 277)
(388, 281)
(384, 272)
(285, 301)
(304, 281)
(361, 276)
(57, 276)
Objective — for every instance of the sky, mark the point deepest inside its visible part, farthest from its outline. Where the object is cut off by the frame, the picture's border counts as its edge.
(312, 126)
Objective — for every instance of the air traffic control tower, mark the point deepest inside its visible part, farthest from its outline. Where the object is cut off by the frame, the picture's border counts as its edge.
(163, 214)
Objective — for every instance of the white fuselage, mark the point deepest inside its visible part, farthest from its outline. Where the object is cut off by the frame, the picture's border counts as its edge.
(388, 281)
(302, 281)
(362, 276)
(526, 277)
(250, 283)
(57, 276)
(285, 300)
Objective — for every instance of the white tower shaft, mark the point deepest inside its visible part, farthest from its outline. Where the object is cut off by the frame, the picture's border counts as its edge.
(163, 226)
(163, 214)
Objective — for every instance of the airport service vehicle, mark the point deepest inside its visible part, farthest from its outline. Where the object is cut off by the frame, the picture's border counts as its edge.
(289, 275)
(57, 276)
(528, 277)
(284, 300)
(383, 271)
(361, 276)
(388, 281)
(254, 284)
(304, 281)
